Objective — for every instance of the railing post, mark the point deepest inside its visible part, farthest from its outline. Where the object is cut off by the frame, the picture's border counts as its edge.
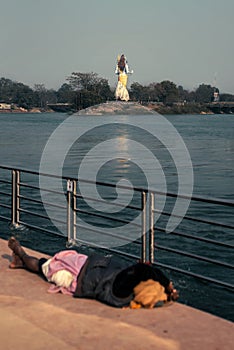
(151, 228)
(143, 227)
(71, 213)
(74, 210)
(69, 192)
(15, 198)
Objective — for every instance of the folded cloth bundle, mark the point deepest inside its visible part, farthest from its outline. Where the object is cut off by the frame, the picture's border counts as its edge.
(147, 294)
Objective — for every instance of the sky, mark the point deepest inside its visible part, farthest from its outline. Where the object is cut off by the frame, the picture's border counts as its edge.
(185, 41)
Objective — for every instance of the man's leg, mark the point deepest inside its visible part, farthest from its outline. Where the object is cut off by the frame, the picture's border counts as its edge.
(21, 258)
(16, 262)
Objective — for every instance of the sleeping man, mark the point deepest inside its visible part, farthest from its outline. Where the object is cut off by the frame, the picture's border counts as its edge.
(103, 278)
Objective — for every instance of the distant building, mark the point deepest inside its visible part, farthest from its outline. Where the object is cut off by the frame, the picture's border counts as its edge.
(216, 95)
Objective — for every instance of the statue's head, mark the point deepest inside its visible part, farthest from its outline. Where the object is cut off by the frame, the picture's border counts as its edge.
(122, 62)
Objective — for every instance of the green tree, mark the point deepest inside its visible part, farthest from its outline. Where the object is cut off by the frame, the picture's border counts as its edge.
(184, 95)
(204, 93)
(40, 92)
(168, 92)
(90, 89)
(139, 92)
(66, 94)
(154, 92)
(82, 81)
(16, 93)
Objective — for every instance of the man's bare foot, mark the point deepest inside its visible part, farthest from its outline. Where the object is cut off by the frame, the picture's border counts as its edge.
(174, 295)
(15, 246)
(172, 292)
(16, 262)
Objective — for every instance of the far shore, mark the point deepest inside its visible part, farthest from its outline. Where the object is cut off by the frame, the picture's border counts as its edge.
(164, 109)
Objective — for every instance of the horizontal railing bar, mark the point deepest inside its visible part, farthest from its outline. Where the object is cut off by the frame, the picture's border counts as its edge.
(103, 233)
(194, 256)
(129, 255)
(192, 274)
(33, 172)
(110, 185)
(23, 184)
(40, 228)
(169, 194)
(30, 199)
(5, 206)
(40, 215)
(5, 217)
(196, 238)
(119, 252)
(54, 205)
(5, 182)
(33, 213)
(195, 198)
(124, 254)
(192, 218)
(50, 191)
(5, 194)
(90, 244)
(24, 170)
(106, 202)
(43, 203)
(106, 217)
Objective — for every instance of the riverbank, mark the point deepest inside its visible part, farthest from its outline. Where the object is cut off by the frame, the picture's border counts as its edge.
(136, 108)
(118, 107)
(180, 108)
(31, 317)
(23, 110)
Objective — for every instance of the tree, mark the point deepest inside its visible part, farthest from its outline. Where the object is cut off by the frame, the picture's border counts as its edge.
(139, 92)
(168, 92)
(204, 93)
(154, 92)
(83, 81)
(90, 89)
(40, 92)
(16, 93)
(102, 89)
(184, 95)
(65, 94)
(44, 96)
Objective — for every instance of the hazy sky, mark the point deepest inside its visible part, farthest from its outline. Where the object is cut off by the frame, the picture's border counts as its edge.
(186, 41)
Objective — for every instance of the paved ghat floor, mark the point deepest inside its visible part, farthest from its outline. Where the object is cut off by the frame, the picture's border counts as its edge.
(34, 319)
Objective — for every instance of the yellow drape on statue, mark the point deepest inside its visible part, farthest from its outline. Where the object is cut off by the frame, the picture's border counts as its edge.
(123, 78)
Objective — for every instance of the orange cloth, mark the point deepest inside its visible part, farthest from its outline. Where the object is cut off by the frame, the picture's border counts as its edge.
(148, 294)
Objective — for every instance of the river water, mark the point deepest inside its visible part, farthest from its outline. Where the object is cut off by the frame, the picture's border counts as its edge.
(208, 140)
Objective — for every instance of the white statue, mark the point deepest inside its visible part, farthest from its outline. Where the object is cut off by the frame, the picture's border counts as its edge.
(122, 70)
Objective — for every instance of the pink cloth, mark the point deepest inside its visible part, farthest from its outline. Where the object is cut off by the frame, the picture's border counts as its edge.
(68, 260)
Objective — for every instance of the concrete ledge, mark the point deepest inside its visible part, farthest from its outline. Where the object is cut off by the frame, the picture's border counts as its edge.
(33, 318)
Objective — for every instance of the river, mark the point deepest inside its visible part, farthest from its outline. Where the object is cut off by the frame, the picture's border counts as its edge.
(208, 140)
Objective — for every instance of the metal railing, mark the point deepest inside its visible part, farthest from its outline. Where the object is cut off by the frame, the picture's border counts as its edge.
(21, 205)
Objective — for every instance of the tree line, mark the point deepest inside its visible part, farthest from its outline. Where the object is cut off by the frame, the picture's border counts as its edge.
(82, 90)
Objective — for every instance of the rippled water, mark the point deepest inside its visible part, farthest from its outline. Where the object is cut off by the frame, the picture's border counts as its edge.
(210, 143)
(209, 139)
